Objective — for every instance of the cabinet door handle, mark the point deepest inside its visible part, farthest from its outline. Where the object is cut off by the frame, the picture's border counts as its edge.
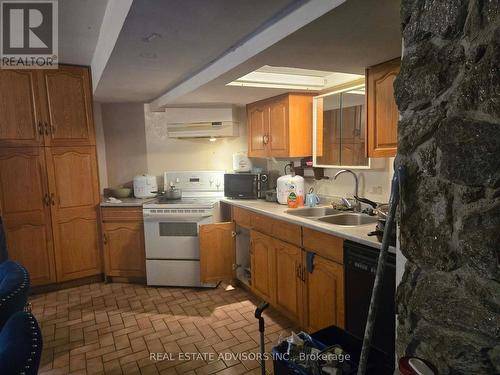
(46, 200)
(265, 139)
(52, 199)
(40, 128)
(304, 274)
(47, 128)
(104, 239)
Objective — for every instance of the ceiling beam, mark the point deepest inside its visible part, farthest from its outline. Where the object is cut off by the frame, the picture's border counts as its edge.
(250, 47)
(112, 23)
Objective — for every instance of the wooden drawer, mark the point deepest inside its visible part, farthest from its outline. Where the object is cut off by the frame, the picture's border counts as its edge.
(326, 245)
(277, 228)
(241, 217)
(121, 213)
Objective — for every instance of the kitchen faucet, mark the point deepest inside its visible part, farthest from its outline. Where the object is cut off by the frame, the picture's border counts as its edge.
(357, 207)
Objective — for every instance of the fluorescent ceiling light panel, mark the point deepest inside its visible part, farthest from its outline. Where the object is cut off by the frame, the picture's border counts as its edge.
(293, 78)
(357, 91)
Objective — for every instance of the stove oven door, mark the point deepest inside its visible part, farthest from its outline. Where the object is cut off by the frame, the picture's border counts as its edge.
(173, 236)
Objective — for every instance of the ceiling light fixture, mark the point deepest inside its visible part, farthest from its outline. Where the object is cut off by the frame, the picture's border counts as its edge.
(150, 37)
(148, 55)
(293, 78)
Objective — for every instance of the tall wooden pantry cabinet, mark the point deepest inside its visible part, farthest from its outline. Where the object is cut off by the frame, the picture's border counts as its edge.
(49, 190)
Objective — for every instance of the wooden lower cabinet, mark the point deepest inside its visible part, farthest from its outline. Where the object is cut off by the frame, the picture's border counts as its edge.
(262, 258)
(74, 196)
(241, 217)
(217, 252)
(279, 272)
(48, 199)
(123, 242)
(324, 299)
(289, 284)
(25, 212)
(124, 249)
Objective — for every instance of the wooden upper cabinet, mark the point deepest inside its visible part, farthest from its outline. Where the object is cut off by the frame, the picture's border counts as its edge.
(25, 212)
(20, 121)
(258, 127)
(382, 114)
(325, 295)
(289, 285)
(217, 252)
(67, 106)
(73, 183)
(280, 126)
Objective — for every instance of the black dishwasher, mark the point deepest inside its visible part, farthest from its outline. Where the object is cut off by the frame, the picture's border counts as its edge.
(360, 267)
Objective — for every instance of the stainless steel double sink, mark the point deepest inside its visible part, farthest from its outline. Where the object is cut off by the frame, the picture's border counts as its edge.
(333, 216)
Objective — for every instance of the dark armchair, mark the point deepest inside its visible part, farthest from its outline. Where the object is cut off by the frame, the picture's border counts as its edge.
(20, 345)
(20, 336)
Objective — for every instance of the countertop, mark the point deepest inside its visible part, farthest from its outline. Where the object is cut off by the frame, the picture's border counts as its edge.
(127, 202)
(357, 233)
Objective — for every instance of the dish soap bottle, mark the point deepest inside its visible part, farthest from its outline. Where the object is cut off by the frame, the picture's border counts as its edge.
(296, 192)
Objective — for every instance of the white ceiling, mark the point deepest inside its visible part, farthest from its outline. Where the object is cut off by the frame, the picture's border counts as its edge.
(79, 25)
(351, 37)
(193, 34)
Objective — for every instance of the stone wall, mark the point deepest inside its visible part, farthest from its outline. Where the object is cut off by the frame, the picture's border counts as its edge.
(448, 93)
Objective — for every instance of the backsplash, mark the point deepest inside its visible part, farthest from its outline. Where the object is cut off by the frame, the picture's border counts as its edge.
(374, 183)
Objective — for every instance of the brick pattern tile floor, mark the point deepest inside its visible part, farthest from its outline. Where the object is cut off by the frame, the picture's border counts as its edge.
(112, 329)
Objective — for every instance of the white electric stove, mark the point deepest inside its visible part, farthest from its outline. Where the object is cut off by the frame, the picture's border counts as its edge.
(171, 227)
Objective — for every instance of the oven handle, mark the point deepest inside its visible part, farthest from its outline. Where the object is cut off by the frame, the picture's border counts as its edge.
(173, 218)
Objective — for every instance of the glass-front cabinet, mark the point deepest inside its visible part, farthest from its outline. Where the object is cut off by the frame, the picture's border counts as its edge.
(339, 129)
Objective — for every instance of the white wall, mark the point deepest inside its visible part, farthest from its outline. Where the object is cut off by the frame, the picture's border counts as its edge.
(172, 154)
(100, 146)
(123, 125)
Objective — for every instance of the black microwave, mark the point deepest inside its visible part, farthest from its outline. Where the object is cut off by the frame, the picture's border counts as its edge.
(245, 185)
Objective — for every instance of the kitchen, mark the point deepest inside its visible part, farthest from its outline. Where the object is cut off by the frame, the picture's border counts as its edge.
(172, 190)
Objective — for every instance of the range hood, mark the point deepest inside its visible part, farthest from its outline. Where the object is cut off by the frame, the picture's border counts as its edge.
(202, 122)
